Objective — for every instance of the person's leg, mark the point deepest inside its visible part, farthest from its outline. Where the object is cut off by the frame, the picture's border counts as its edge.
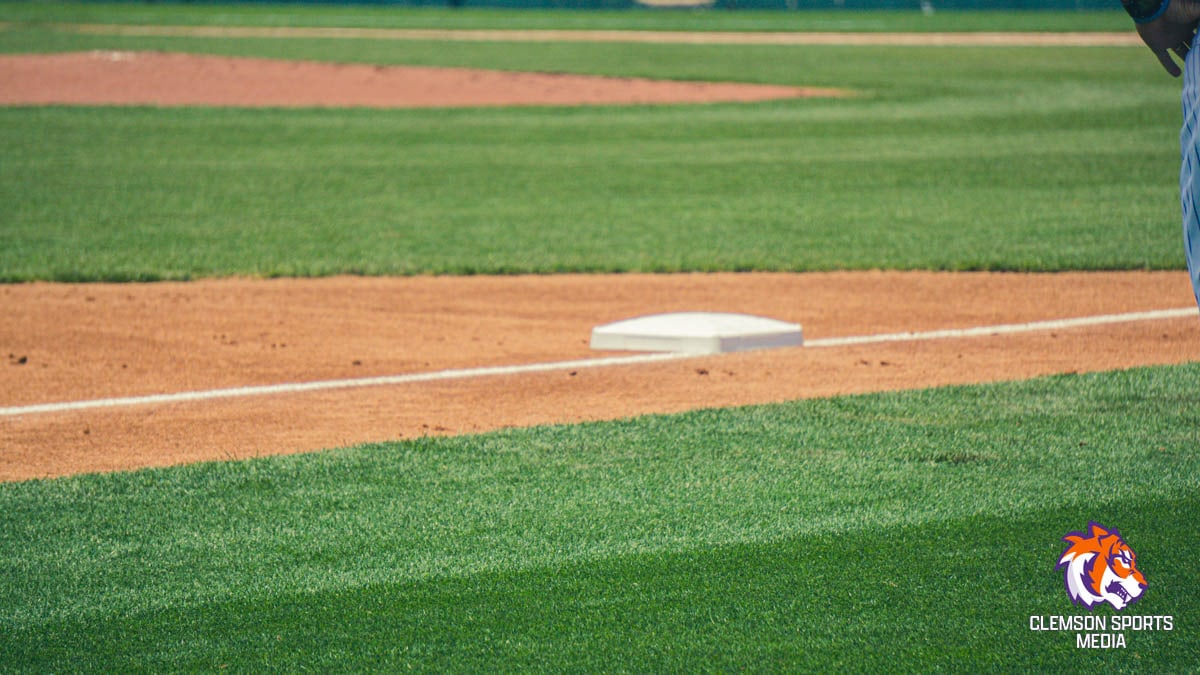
(1189, 172)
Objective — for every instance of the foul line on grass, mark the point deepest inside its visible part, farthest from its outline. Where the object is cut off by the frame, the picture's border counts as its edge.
(465, 373)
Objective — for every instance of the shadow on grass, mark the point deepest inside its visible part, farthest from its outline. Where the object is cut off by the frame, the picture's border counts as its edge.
(956, 594)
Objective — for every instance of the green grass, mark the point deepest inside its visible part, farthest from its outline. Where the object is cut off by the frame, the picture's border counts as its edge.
(334, 15)
(917, 530)
(948, 158)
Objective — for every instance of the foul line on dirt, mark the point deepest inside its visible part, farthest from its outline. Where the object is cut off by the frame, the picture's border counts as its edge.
(325, 385)
(442, 375)
(1007, 329)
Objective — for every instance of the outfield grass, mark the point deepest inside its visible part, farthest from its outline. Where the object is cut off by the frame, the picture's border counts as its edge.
(948, 158)
(908, 531)
(471, 18)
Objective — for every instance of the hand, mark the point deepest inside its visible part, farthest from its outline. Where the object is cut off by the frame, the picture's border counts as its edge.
(1171, 32)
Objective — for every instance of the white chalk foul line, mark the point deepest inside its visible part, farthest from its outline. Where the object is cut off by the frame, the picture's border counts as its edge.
(1008, 329)
(324, 385)
(464, 373)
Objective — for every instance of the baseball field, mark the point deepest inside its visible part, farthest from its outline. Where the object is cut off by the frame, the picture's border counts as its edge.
(294, 361)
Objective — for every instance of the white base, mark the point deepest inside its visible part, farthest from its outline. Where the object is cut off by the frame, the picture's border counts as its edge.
(696, 333)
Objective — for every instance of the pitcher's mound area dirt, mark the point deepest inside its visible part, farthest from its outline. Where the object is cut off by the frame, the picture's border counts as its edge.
(173, 79)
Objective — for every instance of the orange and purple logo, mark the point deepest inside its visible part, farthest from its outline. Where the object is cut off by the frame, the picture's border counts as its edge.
(1100, 567)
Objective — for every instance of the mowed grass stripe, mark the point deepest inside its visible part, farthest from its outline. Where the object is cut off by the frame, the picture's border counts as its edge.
(925, 522)
(969, 39)
(121, 194)
(877, 600)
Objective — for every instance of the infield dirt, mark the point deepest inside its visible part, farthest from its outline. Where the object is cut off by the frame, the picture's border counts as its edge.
(78, 342)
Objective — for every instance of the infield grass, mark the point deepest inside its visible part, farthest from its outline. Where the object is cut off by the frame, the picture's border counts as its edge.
(910, 531)
(946, 158)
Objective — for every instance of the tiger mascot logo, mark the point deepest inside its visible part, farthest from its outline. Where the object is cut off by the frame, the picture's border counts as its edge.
(1100, 567)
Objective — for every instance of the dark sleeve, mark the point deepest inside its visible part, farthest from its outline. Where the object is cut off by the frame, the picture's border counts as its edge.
(1144, 11)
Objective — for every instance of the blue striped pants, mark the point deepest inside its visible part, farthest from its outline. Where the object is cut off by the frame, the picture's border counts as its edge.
(1189, 172)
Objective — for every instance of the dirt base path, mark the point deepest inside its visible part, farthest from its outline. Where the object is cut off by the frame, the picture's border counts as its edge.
(79, 342)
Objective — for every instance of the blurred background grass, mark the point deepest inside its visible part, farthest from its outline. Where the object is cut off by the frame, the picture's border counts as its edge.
(1043, 158)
